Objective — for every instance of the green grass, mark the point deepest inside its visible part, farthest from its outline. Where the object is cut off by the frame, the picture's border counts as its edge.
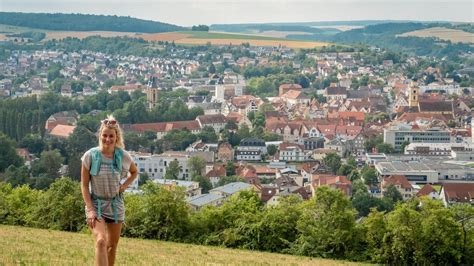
(14, 29)
(30, 246)
(214, 35)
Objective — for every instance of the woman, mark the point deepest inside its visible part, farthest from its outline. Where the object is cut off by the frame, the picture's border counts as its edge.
(104, 177)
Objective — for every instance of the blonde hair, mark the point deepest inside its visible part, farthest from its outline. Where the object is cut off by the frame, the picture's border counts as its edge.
(119, 142)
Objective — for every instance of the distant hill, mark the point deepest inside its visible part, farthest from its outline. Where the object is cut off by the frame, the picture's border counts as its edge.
(320, 27)
(247, 28)
(80, 22)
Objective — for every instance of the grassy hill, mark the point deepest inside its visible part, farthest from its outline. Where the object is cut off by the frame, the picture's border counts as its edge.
(22, 245)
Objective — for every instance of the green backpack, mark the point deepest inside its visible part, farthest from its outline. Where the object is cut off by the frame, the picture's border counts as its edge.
(96, 160)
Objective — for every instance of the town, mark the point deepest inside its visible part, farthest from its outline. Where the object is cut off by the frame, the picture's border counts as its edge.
(381, 127)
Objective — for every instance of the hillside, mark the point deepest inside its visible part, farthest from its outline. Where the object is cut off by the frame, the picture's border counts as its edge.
(81, 22)
(22, 245)
(442, 33)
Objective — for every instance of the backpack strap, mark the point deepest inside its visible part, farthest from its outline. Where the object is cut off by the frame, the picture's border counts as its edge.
(118, 158)
(96, 160)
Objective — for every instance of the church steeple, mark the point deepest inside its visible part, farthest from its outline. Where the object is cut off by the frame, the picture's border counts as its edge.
(152, 92)
(413, 95)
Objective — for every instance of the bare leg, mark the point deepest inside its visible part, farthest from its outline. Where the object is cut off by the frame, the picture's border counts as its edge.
(100, 239)
(113, 235)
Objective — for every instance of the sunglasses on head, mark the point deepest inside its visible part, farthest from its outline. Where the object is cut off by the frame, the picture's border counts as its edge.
(109, 122)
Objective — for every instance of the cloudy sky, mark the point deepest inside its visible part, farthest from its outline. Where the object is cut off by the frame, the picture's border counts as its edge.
(192, 12)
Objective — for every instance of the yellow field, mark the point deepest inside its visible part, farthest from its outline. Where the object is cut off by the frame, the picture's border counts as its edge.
(187, 38)
(454, 36)
(289, 44)
(28, 246)
(273, 33)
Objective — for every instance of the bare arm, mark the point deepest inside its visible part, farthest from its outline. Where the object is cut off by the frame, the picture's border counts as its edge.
(133, 174)
(86, 196)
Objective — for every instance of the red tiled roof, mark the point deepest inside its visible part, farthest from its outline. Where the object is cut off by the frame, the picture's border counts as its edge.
(359, 116)
(340, 182)
(264, 170)
(287, 86)
(426, 190)
(286, 145)
(235, 117)
(336, 90)
(163, 126)
(217, 170)
(410, 117)
(62, 131)
(400, 180)
(292, 94)
(459, 192)
(126, 87)
(242, 101)
(267, 192)
(212, 119)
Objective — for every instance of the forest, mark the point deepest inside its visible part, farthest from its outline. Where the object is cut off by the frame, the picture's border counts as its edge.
(81, 22)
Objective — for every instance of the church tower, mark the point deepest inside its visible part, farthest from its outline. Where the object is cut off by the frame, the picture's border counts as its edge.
(152, 93)
(413, 95)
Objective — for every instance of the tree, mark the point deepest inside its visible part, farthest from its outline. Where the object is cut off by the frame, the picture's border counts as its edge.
(393, 194)
(229, 179)
(326, 227)
(49, 164)
(204, 183)
(371, 143)
(375, 226)
(231, 125)
(135, 142)
(258, 120)
(464, 215)
(160, 213)
(402, 240)
(16, 176)
(60, 207)
(345, 170)
(385, 148)
(196, 165)
(277, 227)
(403, 146)
(440, 235)
(208, 135)
(272, 149)
(230, 168)
(17, 204)
(212, 69)
(33, 142)
(8, 155)
(332, 161)
(369, 175)
(353, 175)
(351, 161)
(243, 132)
(178, 139)
(142, 179)
(173, 169)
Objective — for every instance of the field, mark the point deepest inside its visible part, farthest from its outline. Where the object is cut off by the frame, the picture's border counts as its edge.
(184, 37)
(444, 34)
(21, 245)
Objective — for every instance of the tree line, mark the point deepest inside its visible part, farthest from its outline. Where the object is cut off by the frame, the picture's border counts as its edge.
(81, 22)
(420, 231)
